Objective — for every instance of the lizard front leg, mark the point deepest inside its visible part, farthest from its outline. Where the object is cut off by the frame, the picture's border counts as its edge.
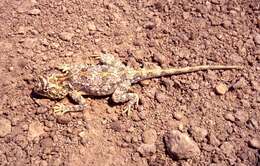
(77, 98)
(122, 95)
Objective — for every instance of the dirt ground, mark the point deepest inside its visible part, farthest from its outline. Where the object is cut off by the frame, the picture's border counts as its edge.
(216, 111)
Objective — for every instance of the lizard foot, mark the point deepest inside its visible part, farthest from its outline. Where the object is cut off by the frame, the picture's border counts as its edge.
(60, 109)
(130, 105)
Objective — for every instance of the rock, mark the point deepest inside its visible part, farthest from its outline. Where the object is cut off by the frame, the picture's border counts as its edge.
(5, 46)
(256, 85)
(159, 58)
(252, 123)
(23, 29)
(160, 97)
(241, 83)
(91, 26)
(26, 5)
(34, 12)
(135, 116)
(221, 89)
(150, 25)
(30, 42)
(257, 39)
(178, 115)
(227, 148)
(149, 136)
(5, 127)
(215, 21)
(255, 143)
(213, 140)
(116, 126)
(242, 116)
(236, 58)
(66, 36)
(180, 146)
(147, 149)
(230, 117)
(35, 130)
(198, 133)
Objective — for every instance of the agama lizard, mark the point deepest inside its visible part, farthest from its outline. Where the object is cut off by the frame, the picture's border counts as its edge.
(110, 77)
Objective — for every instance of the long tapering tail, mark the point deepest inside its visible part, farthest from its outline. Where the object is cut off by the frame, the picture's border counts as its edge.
(143, 74)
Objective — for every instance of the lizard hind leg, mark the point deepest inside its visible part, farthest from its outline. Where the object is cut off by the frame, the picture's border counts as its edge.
(122, 95)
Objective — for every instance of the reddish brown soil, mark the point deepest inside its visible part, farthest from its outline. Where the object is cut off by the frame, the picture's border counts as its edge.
(38, 35)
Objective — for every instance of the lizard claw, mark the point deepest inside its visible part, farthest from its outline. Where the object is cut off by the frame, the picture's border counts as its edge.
(60, 109)
(128, 110)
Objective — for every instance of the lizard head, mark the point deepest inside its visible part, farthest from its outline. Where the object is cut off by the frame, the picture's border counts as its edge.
(50, 87)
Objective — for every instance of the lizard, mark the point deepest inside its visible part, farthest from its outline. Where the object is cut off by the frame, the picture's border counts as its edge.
(109, 77)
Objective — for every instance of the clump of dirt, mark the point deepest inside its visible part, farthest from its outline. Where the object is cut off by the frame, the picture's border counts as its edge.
(216, 111)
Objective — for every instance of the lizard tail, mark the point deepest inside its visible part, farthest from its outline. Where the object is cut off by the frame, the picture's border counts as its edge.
(152, 73)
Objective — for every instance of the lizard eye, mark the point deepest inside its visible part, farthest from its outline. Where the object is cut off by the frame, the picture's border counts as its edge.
(41, 84)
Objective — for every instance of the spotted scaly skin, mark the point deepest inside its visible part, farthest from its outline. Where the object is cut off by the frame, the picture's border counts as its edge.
(110, 77)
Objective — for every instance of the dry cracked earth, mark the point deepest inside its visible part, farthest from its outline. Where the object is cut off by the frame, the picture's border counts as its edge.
(204, 118)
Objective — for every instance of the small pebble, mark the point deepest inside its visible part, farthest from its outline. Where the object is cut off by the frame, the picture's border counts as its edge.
(213, 140)
(255, 143)
(253, 123)
(66, 36)
(241, 116)
(34, 12)
(229, 117)
(198, 133)
(35, 130)
(91, 26)
(227, 148)
(241, 83)
(147, 149)
(160, 97)
(221, 89)
(178, 115)
(159, 58)
(116, 126)
(5, 127)
(10, 68)
(257, 39)
(149, 136)
(180, 146)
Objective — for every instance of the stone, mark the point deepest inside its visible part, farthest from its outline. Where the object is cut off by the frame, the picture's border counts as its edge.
(30, 43)
(257, 39)
(241, 116)
(34, 12)
(229, 117)
(178, 115)
(198, 133)
(213, 140)
(160, 97)
(91, 26)
(35, 130)
(255, 143)
(146, 149)
(149, 136)
(66, 36)
(221, 89)
(180, 146)
(5, 127)
(227, 148)
(241, 83)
